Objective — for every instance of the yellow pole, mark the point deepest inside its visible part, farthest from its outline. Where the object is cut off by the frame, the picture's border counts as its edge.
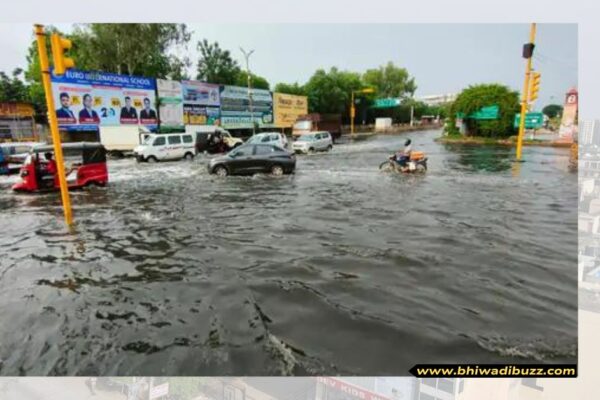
(352, 115)
(60, 165)
(525, 95)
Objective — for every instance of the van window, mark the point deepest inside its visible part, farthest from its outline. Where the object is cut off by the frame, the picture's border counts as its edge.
(187, 139)
(174, 139)
(159, 141)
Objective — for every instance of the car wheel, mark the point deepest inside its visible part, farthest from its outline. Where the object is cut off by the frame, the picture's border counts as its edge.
(311, 150)
(151, 159)
(221, 171)
(277, 170)
(329, 148)
(188, 156)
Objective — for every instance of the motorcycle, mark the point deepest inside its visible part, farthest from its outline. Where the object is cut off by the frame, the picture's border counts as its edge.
(416, 163)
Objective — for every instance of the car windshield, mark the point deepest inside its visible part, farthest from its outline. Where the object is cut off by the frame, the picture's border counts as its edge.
(148, 140)
(306, 138)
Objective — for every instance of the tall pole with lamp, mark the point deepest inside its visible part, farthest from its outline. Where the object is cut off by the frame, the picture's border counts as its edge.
(528, 55)
(247, 57)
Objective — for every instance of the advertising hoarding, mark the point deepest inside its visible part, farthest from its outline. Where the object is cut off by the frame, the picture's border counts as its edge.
(170, 100)
(201, 103)
(86, 100)
(235, 108)
(287, 108)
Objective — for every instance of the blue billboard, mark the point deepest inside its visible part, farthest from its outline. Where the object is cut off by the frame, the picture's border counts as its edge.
(85, 100)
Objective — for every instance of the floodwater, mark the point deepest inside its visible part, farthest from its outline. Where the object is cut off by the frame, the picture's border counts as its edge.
(338, 269)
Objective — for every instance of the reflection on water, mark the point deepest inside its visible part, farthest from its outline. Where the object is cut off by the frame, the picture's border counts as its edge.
(339, 269)
(483, 158)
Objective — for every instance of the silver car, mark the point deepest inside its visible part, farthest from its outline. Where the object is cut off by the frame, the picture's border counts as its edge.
(313, 142)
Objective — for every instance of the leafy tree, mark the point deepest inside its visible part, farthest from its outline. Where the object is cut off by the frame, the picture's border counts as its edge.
(12, 88)
(390, 81)
(474, 98)
(258, 82)
(293, 88)
(131, 49)
(552, 110)
(330, 92)
(216, 65)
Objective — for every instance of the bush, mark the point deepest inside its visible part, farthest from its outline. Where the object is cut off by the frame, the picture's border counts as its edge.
(476, 97)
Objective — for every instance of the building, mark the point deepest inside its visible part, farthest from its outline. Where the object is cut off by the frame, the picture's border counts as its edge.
(501, 389)
(589, 223)
(17, 122)
(438, 388)
(590, 133)
(438, 99)
(319, 388)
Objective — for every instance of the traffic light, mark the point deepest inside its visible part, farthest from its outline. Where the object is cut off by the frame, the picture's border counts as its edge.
(534, 86)
(528, 50)
(61, 63)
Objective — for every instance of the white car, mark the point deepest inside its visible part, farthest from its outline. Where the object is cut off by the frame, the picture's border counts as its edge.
(273, 138)
(313, 142)
(172, 146)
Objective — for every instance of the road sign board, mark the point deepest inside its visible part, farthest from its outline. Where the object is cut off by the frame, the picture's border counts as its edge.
(159, 391)
(387, 103)
(533, 120)
(484, 113)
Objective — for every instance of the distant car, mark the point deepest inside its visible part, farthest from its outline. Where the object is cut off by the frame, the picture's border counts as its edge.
(274, 138)
(312, 142)
(250, 159)
(213, 139)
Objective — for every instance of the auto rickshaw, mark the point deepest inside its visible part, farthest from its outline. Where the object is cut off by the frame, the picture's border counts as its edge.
(87, 167)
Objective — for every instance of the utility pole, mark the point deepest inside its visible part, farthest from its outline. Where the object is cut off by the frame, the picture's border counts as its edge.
(247, 56)
(527, 54)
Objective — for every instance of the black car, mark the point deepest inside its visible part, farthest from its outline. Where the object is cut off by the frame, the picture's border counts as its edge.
(253, 158)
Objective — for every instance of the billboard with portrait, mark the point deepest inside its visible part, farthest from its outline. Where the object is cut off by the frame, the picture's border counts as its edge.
(201, 102)
(235, 108)
(287, 108)
(86, 100)
(170, 100)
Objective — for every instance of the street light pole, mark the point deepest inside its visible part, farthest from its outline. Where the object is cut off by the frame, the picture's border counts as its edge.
(247, 56)
(352, 112)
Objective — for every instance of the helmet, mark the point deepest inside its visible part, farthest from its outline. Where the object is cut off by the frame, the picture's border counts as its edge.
(48, 156)
(407, 142)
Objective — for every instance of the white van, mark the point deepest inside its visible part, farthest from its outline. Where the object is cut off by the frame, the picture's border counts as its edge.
(162, 146)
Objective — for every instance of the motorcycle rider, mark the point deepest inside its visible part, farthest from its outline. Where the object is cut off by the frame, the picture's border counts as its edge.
(402, 156)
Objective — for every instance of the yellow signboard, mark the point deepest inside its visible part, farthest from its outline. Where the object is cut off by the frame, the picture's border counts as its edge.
(16, 110)
(287, 108)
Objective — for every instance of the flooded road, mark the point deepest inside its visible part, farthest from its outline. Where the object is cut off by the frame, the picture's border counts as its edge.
(338, 269)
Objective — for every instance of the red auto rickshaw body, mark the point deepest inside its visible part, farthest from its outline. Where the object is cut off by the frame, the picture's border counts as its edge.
(89, 168)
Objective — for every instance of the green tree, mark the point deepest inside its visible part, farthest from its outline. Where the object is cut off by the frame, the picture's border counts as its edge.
(330, 92)
(552, 110)
(258, 82)
(293, 88)
(216, 65)
(12, 88)
(131, 49)
(390, 81)
(474, 98)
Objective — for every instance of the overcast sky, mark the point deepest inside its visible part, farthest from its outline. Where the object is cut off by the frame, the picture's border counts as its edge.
(443, 58)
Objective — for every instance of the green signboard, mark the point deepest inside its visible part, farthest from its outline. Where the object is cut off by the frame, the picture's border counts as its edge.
(533, 120)
(484, 113)
(386, 103)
